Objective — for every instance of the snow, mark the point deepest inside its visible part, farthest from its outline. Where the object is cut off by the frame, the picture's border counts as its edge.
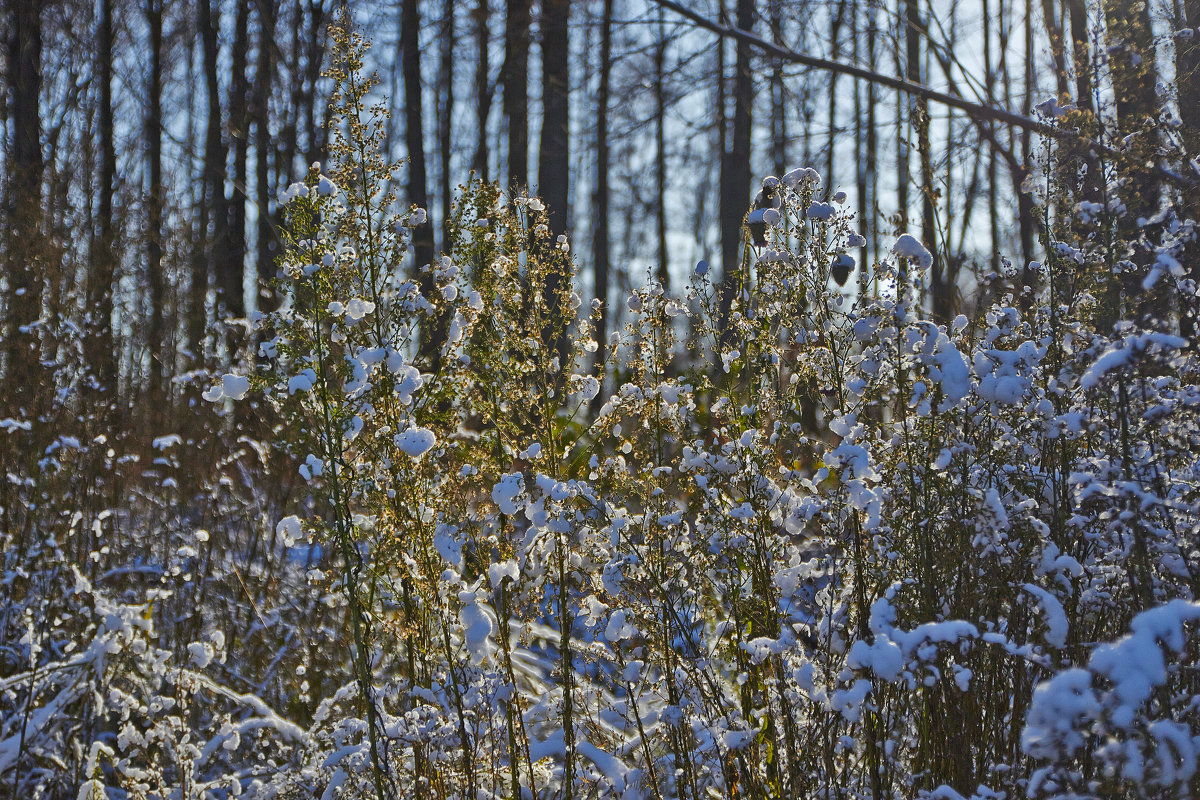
(231, 387)
(357, 308)
(802, 175)
(162, 442)
(478, 626)
(302, 382)
(910, 248)
(289, 530)
(1124, 352)
(505, 493)
(201, 654)
(821, 211)
(612, 768)
(416, 441)
(1056, 618)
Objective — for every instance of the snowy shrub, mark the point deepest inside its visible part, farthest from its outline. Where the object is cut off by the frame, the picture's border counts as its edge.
(784, 536)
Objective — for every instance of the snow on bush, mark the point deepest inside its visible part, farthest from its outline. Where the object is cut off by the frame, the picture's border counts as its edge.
(812, 543)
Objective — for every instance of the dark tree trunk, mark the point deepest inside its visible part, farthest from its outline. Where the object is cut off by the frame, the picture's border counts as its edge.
(99, 344)
(778, 96)
(660, 149)
(265, 233)
(515, 74)
(290, 120)
(554, 163)
(483, 89)
(1132, 65)
(155, 276)
(213, 206)
(155, 199)
(600, 247)
(1025, 207)
(24, 196)
(920, 122)
(989, 82)
(835, 27)
(1187, 70)
(1080, 48)
(414, 140)
(869, 221)
(313, 124)
(910, 67)
(233, 255)
(445, 114)
(735, 167)
(1058, 49)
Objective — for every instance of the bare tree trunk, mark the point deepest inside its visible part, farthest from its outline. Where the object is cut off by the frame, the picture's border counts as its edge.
(870, 221)
(660, 149)
(553, 151)
(835, 27)
(213, 206)
(862, 151)
(1080, 48)
(778, 96)
(24, 199)
(483, 90)
(414, 141)
(154, 211)
(735, 167)
(1132, 65)
(1025, 207)
(1057, 48)
(314, 127)
(600, 247)
(233, 255)
(989, 83)
(99, 344)
(515, 74)
(446, 113)
(1187, 71)
(907, 68)
(264, 79)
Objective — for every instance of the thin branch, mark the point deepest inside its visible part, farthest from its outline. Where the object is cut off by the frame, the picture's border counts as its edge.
(981, 115)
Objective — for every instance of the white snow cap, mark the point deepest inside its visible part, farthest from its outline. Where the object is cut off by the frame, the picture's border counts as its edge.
(908, 246)
(231, 387)
(326, 187)
(416, 441)
(793, 178)
(358, 308)
(289, 529)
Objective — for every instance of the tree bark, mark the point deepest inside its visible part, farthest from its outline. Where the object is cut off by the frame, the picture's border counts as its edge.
(735, 167)
(24, 197)
(483, 90)
(99, 344)
(213, 206)
(313, 125)
(264, 238)
(155, 199)
(778, 96)
(660, 149)
(600, 246)
(414, 141)
(554, 164)
(232, 257)
(515, 74)
(445, 114)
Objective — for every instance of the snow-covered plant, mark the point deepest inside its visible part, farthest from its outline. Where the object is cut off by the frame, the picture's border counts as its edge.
(789, 537)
